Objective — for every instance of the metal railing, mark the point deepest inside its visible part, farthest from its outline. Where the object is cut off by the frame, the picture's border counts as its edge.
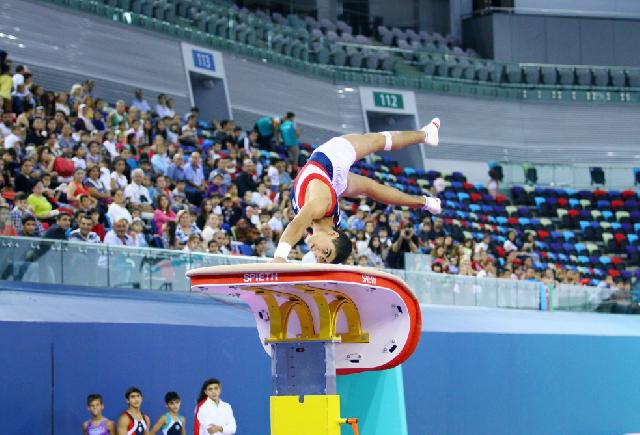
(44, 261)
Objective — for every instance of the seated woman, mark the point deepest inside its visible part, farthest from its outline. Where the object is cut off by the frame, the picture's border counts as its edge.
(76, 188)
(163, 212)
(95, 186)
(40, 204)
(185, 227)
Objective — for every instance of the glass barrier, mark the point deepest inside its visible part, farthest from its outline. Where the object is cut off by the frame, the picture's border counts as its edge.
(619, 177)
(95, 265)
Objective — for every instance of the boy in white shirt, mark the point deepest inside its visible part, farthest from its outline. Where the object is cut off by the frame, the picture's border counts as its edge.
(213, 416)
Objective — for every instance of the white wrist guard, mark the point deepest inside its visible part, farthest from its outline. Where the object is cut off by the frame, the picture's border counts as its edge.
(282, 250)
(388, 142)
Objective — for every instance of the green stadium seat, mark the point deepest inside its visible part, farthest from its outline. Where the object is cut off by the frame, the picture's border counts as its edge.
(513, 74)
(618, 77)
(634, 77)
(496, 71)
(567, 75)
(549, 75)
(584, 76)
(600, 76)
(355, 60)
(531, 75)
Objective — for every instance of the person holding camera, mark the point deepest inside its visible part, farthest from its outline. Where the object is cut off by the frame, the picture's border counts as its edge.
(404, 241)
(135, 193)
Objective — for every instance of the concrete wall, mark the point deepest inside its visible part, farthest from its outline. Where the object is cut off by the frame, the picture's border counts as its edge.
(567, 40)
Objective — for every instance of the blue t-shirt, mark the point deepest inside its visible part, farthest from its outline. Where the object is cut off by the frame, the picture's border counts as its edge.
(288, 133)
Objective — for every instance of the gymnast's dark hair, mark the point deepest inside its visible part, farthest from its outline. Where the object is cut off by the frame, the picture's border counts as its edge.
(205, 384)
(343, 247)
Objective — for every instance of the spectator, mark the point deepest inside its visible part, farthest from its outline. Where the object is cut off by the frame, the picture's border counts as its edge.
(118, 236)
(118, 117)
(185, 227)
(175, 171)
(160, 160)
(6, 86)
(19, 211)
(16, 138)
(29, 227)
(194, 244)
(161, 108)
(95, 186)
(118, 177)
(83, 233)
(76, 188)
(35, 133)
(6, 227)
(163, 212)
(59, 230)
(403, 241)
(194, 177)
(511, 243)
(6, 125)
(117, 209)
(139, 102)
(39, 203)
(136, 232)
(65, 139)
(245, 232)
(62, 103)
(75, 95)
(211, 228)
(289, 133)
(135, 193)
(246, 180)
(213, 416)
(230, 211)
(189, 133)
(84, 122)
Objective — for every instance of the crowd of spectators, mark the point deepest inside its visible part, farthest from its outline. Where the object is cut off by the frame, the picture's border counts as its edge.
(75, 167)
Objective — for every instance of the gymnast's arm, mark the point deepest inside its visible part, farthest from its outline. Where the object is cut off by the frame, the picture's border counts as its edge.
(311, 210)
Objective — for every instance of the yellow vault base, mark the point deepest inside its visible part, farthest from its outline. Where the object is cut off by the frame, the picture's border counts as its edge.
(316, 415)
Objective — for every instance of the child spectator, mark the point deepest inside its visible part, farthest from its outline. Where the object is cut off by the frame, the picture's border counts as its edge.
(97, 424)
(171, 423)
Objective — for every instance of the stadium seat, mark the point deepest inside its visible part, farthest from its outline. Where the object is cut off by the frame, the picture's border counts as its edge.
(513, 73)
(584, 76)
(549, 75)
(531, 75)
(600, 76)
(618, 77)
(634, 77)
(567, 76)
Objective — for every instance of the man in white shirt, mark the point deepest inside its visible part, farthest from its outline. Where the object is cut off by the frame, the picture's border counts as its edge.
(16, 136)
(136, 193)
(161, 108)
(140, 103)
(118, 235)
(213, 416)
(6, 124)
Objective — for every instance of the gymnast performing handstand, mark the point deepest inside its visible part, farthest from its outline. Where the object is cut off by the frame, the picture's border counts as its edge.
(326, 177)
